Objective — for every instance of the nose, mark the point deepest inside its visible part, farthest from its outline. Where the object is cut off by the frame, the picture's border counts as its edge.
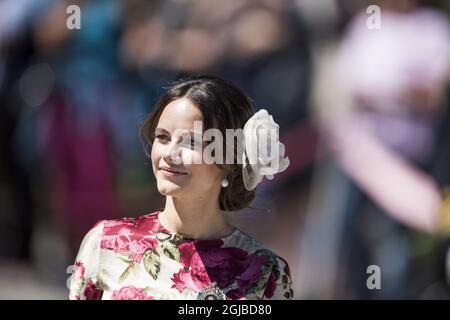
(172, 154)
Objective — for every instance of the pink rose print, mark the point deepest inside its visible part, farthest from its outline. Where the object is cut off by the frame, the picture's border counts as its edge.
(130, 235)
(187, 250)
(184, 279)
(142, 223)
(91, 292)
(78, 271)
(130, 293)
(205, 261)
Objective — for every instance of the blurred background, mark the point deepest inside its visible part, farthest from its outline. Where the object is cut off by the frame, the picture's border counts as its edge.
(361, 96)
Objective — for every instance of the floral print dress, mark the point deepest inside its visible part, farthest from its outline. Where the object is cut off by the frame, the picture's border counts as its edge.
(139, 259)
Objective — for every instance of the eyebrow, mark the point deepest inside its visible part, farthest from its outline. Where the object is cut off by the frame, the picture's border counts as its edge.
(161, 129)
(190, 131)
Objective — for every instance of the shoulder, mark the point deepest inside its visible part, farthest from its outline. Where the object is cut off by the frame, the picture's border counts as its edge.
(275, 276)
(93, 236)
(147, 222)
(111, 227)
(275, 280)
(253, 246)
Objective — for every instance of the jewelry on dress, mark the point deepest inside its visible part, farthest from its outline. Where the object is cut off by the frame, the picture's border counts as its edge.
(211, 292)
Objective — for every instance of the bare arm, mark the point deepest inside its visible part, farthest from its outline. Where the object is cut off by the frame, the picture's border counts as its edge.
(409, 195)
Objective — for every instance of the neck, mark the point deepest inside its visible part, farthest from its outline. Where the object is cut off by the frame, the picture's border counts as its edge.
(197, 219)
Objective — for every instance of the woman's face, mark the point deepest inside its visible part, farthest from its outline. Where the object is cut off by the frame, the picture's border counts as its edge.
(193, 178)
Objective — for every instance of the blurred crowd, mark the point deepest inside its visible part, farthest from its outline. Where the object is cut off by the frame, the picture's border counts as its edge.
(364, 114)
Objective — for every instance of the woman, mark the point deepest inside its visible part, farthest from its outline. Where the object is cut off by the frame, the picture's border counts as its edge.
(189, 250)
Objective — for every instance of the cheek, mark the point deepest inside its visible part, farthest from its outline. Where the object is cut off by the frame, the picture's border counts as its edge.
(206, 175)
(156, 154)
(202, 173)
(191, 157)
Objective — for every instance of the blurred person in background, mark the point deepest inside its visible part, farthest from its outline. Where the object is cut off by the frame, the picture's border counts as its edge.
(78, 122)
(17, 146)
(383, 137)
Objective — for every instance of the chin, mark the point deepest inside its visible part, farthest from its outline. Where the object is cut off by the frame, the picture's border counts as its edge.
(167, 188)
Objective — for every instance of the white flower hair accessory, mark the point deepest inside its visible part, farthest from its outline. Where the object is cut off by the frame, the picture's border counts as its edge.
(263, 152)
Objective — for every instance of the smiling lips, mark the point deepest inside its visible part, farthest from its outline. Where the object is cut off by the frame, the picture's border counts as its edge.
(171, 172)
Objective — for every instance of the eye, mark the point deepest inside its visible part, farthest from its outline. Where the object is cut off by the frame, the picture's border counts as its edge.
(195, 142)
(190, 141)
(162, 138)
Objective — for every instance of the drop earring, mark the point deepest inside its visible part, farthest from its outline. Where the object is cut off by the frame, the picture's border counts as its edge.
(224, 182)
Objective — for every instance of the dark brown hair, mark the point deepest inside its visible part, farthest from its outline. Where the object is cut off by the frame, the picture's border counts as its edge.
(223, 106)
